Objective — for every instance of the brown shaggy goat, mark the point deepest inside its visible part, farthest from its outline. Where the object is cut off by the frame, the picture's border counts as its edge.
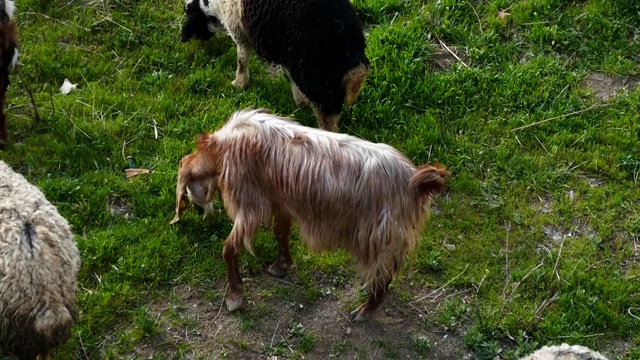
(343, 192)
(8, 57)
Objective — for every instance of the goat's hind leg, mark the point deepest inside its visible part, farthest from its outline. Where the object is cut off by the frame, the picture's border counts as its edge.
(282, 231)
(242, 233)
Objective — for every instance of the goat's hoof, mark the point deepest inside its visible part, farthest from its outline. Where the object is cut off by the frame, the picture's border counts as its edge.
(278, 270)
(358, 315)
(234, 303)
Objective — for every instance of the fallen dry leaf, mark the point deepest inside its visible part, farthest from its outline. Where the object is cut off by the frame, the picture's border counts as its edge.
(135, 172)
(502, 14)
(67, 86)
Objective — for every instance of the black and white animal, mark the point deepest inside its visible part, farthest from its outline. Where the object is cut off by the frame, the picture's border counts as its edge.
(8, 57)
(319, 43)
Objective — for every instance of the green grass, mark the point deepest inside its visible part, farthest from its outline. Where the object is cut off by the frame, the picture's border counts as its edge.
(511, 190)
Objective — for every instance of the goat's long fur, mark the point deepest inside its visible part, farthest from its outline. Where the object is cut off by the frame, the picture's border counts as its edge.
(8, 57)
(565, 352)
(39, 261)
(342, 191)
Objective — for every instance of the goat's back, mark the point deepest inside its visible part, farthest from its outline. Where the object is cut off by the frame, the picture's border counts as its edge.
(337, 187)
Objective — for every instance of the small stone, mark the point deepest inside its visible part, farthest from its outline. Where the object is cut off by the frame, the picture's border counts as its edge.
(348, 331)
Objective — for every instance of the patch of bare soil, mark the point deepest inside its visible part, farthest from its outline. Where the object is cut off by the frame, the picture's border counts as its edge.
(605, 87)
(275, 315)
(542, 204)
(444, 58)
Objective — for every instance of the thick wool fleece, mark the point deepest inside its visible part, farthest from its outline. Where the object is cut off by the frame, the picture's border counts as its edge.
(565, 352)
(318, 41)
(39, 261)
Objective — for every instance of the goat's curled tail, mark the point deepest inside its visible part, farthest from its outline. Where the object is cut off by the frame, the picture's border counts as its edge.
(429, 180)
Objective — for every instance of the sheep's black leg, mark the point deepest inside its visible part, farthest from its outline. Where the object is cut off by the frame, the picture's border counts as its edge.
(3, 119)
(242, 72)
(282, 231)
(3, 127)
(327, 122)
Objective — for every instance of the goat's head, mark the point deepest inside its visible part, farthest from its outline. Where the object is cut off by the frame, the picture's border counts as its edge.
(199, 24)
(197, 183)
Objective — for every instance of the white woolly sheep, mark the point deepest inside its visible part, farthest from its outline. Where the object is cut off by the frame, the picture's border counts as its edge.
(39, 261)
(8, 57)
(342, 191)
(565, 352)
(319, 43)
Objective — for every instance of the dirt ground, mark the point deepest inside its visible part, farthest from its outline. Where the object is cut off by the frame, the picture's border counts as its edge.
(270, 327)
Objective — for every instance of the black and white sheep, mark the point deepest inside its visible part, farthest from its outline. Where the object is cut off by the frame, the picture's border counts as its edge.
(8, 57)
(565, 352)
(39, 261)
(319, 43)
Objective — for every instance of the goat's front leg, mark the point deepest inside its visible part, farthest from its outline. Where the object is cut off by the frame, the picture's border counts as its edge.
(282, 231)
(376, 297)
(242, 233)
(242, 72)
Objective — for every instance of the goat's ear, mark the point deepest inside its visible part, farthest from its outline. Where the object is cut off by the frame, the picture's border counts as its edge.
(429, 180)
(184, 177)
(263, 111)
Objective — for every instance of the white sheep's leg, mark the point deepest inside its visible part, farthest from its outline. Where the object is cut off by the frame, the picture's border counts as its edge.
(299, 98)
(44, 356)
(242, 72)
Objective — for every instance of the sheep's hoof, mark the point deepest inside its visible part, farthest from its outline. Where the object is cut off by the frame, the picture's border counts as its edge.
(300, 100)
(359, 315)
(240, 83)
(234, 302)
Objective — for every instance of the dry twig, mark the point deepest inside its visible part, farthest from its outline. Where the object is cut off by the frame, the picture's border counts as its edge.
(561, 116)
